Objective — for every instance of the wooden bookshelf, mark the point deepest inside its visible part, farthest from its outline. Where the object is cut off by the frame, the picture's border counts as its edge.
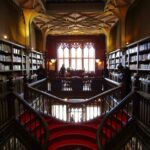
(114, 59)
(36, 59)
(12, 59)
(137, 57)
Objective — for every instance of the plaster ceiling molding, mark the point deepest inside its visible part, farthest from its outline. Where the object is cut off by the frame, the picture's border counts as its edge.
(111, 5)
(76, 23)
(37, 5)
(68, 18)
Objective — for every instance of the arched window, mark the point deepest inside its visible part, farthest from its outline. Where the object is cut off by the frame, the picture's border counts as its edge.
(76, 56)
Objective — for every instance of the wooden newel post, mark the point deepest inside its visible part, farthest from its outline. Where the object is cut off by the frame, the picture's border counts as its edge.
(10, 97)
(25, 85)
(136, 98)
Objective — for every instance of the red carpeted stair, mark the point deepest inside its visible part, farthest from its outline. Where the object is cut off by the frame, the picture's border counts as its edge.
(112, 126)
(74, 136)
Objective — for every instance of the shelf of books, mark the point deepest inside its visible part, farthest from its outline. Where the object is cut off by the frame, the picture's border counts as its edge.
(36, 59)
(12, 59)
(114, 59)
(136, 56)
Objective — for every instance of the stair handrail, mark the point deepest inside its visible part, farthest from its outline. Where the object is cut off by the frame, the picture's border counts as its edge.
(85, 101)
(12, 96)
(37, 82)
(125, 101)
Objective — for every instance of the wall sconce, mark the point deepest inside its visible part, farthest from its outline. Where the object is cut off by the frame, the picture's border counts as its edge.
(5, 37)
(53, 60)
(98, 61)
(127, 43)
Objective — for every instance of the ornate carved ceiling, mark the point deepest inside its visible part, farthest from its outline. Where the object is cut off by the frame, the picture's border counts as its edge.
(76, 18)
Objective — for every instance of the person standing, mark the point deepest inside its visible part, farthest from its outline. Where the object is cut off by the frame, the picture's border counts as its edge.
(125, 79)
(41, 72)
(62, 71)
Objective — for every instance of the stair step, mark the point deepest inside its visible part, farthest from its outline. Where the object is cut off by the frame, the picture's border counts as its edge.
(71, 132)
(59, 128)
(76, 142)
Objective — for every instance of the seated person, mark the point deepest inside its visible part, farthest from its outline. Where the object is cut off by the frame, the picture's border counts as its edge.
(68, 73)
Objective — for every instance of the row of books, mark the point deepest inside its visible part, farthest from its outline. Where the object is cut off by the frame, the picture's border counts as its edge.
(144, 57)
(16, 51)
(5, 48)
(4, 67)
(37, 56)
(5, 58)
(145, 46)
(144, 66)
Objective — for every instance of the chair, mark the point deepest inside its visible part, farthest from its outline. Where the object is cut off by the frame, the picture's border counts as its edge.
(96, 84)
(56, 85)
(77, 84)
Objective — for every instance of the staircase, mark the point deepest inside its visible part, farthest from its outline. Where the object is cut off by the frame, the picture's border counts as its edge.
(71, 135)
(114, 129)
(64, 135)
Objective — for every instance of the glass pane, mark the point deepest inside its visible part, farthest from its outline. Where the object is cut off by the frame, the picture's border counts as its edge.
(73, 52)
(92, 65)
(79, 64)
(73, 64)
(86, 65)
(92, 52)
(85, 52)
(79, 52)
(66, 63)
(60, 52)
(66, 52)
(60, 62)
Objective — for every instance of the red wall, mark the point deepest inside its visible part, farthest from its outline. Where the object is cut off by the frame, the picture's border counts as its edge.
(99, 41)
(137, 21)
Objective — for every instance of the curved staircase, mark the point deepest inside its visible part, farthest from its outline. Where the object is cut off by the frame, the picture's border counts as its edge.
(71, 135)
(65, 135)
(104, 132)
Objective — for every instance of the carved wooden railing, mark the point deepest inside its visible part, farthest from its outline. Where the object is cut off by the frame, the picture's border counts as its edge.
(82, 110)
(135, 106)
(18, 85)
(39, 84)
(76, 84)
(13, 143)
(4, 117)
(142, 104)
(108, 83)
(14, 107)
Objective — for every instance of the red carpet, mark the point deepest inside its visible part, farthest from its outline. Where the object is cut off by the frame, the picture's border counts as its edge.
(73, 136)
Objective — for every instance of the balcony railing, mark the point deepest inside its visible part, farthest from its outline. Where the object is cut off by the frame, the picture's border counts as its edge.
(81, 109)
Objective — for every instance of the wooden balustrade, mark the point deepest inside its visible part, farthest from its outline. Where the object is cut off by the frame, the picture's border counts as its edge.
(18, 85)
(81, 109)
(77, 84)
(4, 117)
(13, 143)
(121, 109)
(142, 102)
(14, 107)
(135, 106)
